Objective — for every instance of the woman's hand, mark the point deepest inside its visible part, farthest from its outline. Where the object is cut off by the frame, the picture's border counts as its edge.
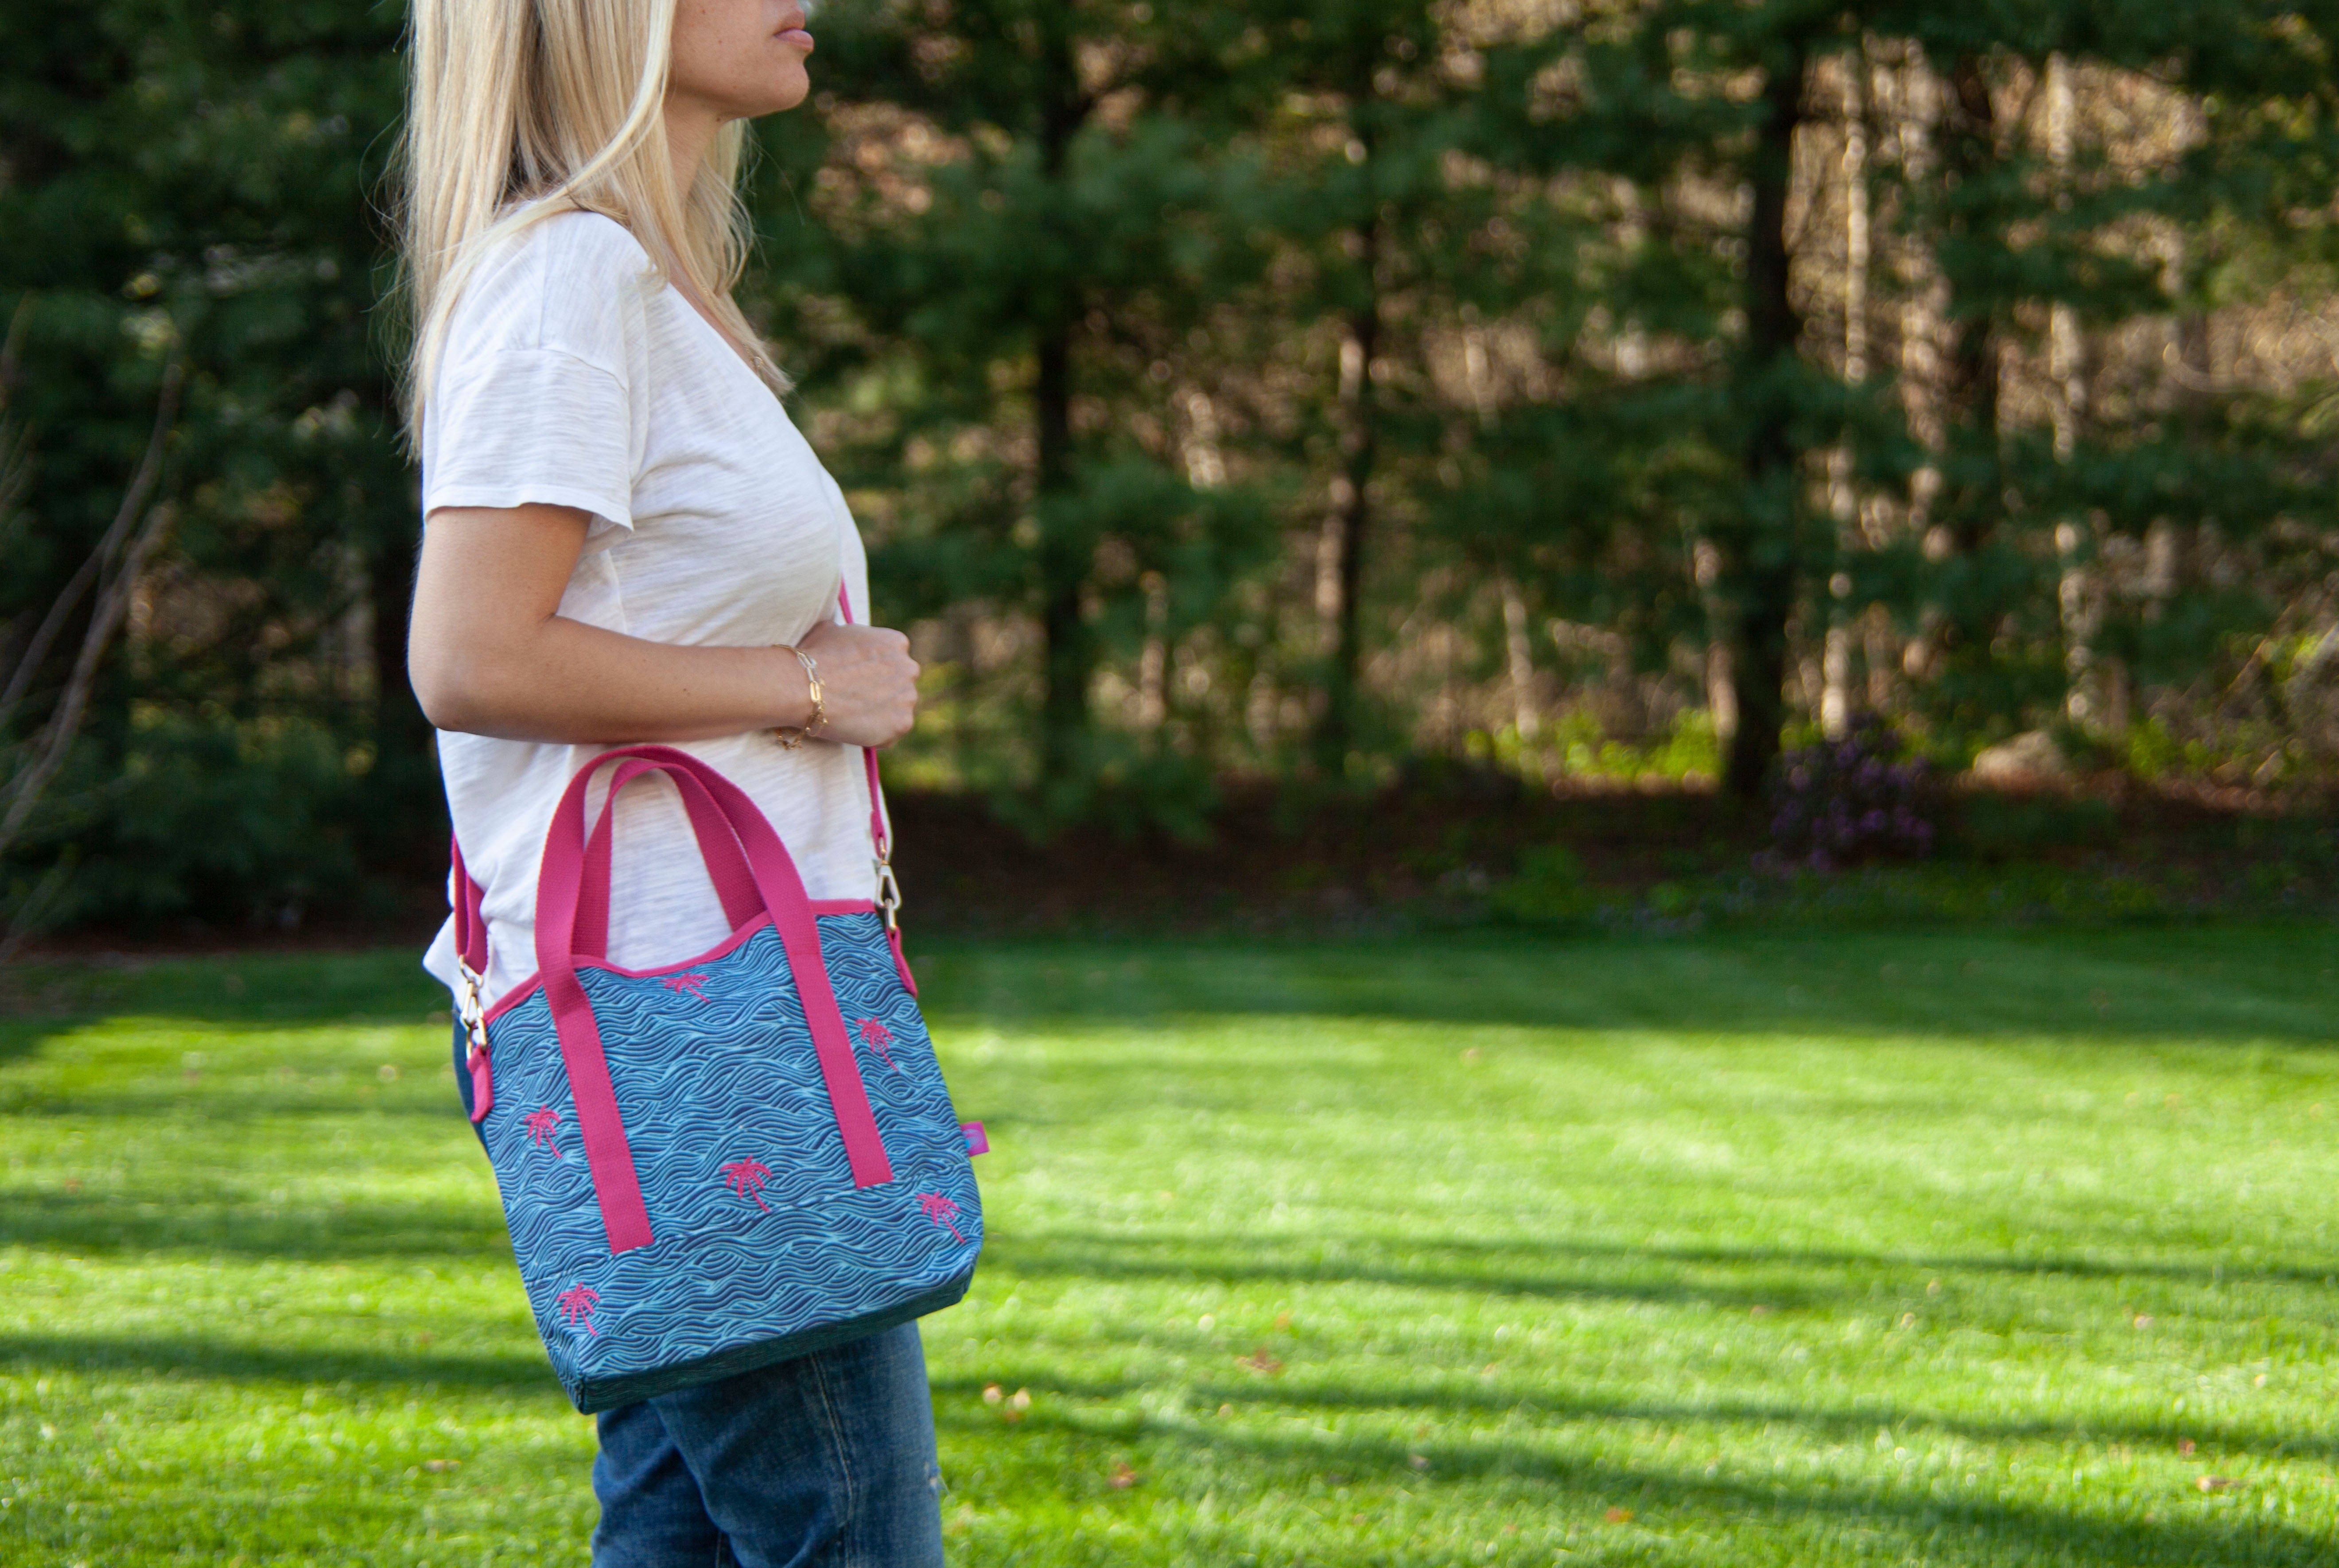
(868, 680)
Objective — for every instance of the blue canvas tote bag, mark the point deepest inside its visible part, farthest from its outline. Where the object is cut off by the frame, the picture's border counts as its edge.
(717, 1165)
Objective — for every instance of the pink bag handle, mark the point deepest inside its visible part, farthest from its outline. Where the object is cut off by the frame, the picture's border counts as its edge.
(725, 867)
(717, 850)
(560, 890)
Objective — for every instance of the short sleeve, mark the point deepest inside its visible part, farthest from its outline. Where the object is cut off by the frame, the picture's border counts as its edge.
(526, 426)
(531, 403)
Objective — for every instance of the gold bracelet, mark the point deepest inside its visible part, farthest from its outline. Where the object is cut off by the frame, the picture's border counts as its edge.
(791, 736)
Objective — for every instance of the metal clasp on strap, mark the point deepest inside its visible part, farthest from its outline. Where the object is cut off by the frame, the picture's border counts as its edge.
(469, 1009)
(889, 891)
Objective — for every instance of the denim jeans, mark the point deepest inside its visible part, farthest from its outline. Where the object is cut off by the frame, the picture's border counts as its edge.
(824, 1461)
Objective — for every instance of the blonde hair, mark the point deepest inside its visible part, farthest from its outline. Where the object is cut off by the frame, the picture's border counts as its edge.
(522, 109)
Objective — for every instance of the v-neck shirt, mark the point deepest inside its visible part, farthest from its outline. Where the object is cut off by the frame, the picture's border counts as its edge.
(573, 375)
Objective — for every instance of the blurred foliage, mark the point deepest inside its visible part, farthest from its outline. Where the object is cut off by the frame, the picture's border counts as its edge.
(2001, 827)
(1550, 889)
(1282, 390)
(202, 175)
(249, 820)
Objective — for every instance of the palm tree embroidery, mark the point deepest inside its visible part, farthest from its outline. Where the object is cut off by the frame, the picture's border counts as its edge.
(746, 1178)
(576, 1305)
(542, 1123)
(695, 984)
(942, 1211)
(877, 1037)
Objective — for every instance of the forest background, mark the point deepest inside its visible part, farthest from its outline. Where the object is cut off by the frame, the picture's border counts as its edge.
(1341, 405)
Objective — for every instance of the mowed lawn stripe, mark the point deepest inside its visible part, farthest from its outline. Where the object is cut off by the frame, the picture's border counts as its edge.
(1952, 1249)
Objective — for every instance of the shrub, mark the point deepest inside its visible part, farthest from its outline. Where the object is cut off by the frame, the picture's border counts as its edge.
(1549, 890)
(1863, 797)
(2013, 827)
(196, 817)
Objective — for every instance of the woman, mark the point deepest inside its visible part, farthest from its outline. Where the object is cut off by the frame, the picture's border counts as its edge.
(626, 540)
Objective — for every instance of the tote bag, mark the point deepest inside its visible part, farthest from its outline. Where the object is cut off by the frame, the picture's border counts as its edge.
(712, 1166)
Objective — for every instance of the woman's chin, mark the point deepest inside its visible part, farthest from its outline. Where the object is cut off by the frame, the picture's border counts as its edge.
(784, 91)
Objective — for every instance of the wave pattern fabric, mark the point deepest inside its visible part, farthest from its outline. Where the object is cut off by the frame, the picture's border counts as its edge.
(763, 1247)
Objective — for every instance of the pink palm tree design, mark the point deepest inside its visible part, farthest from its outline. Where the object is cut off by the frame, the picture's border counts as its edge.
(542, 1124)
(746, 1178)
(577, 1304)
(695, 984)
(942, 1211)
(877, 1037)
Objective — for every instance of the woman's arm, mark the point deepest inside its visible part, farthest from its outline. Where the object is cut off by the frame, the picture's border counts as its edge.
(490, 655)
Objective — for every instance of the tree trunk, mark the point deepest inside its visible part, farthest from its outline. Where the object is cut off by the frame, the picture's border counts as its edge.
(1069, 648)
(1843, 498)
(1065, 555)
(2079, 591)
(1760, 553)
(1971, 392)
(1518, 652)
(122, 557)
(1350, 521)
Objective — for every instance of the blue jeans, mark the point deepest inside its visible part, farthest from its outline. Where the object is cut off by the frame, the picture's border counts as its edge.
(824, 1461)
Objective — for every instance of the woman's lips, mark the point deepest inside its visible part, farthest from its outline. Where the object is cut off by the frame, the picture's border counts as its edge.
(797, 36)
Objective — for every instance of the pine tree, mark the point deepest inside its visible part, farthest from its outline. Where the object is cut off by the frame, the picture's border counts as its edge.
(1027, 243)
(193, 185)
(1689, 115)
(1366, 109)
(2046, 237)
(1704, 120)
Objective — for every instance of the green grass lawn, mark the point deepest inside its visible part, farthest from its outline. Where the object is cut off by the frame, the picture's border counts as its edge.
(1951, 1250)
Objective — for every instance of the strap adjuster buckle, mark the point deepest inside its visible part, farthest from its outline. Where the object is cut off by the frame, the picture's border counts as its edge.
(468, 1010)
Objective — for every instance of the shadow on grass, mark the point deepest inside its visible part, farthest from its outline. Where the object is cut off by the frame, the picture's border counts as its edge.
(2207, 985)
(273, 991)
(294, 1365)
(1947, 1527)
(1943, 1526)
(101, 1225)
(1523, 1267)
(2215, 1441)
(353, 1101)
(116, 1223)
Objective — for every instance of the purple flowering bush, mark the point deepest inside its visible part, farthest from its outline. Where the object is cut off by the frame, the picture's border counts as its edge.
(1859, 798)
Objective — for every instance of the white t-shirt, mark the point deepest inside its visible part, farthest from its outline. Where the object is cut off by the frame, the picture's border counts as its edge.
(573, 377)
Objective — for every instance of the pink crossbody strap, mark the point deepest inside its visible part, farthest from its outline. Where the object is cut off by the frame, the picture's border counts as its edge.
(470, 925)
(599, 1121)
(471, 963)
(881, 841)
(880, 835)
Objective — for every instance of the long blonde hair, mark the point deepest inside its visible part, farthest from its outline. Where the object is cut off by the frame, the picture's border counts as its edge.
(521, 109)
